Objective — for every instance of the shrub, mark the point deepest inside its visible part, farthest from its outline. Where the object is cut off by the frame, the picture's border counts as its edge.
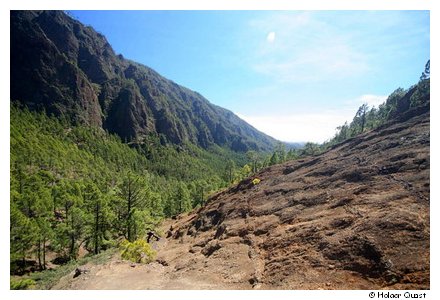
(139, 251)
(256, 181)
(21, 284)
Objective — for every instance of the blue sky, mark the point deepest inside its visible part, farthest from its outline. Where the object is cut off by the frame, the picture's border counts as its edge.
(295, 75)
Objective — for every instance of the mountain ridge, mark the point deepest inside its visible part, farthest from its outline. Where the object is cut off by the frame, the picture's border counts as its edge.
(71, 71)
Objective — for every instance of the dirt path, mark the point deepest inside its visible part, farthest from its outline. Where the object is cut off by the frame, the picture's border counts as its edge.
(172, 270)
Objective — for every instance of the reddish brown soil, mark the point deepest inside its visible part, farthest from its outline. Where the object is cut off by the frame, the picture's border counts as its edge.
(355, 217)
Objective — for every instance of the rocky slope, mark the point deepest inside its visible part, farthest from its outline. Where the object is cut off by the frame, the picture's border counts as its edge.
(71, 71)
(355, 217)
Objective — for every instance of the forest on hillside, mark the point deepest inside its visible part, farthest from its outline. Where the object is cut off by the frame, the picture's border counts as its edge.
(78, 186)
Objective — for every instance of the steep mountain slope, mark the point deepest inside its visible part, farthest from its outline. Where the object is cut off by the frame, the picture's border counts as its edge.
(354, 217)
(70, 70)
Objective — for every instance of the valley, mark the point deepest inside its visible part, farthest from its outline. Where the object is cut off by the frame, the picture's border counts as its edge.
(122, 179)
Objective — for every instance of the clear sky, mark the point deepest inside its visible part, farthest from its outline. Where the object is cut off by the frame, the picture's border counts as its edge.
(295, 75)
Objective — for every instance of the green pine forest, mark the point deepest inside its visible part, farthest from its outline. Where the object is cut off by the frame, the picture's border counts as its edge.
(75, 187)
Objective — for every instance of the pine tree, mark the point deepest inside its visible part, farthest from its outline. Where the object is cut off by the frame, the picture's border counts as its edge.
(98, 206)
(280, 149)
(133, 195)
(253, 157)
(310, 149)
(361, 117)
(230, 170)
(274, 159)
(183, 198)
(44, 234)
(22, 237)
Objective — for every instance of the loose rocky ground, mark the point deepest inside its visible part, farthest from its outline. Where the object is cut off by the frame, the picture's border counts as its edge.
(355, 217)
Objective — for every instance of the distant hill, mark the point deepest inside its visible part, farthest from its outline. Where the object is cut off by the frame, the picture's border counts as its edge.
(294, 145)
(70, 70)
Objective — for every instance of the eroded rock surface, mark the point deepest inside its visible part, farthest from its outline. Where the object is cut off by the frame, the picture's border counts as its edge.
(356, 216)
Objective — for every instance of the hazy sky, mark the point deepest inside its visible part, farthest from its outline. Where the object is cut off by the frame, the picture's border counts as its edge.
(294, 75)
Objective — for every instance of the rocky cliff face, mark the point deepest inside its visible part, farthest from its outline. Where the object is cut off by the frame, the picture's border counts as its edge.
(71, 71)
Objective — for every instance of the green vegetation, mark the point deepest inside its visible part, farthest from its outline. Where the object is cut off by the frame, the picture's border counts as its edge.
(138, 251)
(21, 284)
(78, 187)
(260, 160)
(396, 104)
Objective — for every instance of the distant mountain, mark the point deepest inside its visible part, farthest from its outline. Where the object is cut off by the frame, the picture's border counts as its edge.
(70, 70)
(294, 145)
